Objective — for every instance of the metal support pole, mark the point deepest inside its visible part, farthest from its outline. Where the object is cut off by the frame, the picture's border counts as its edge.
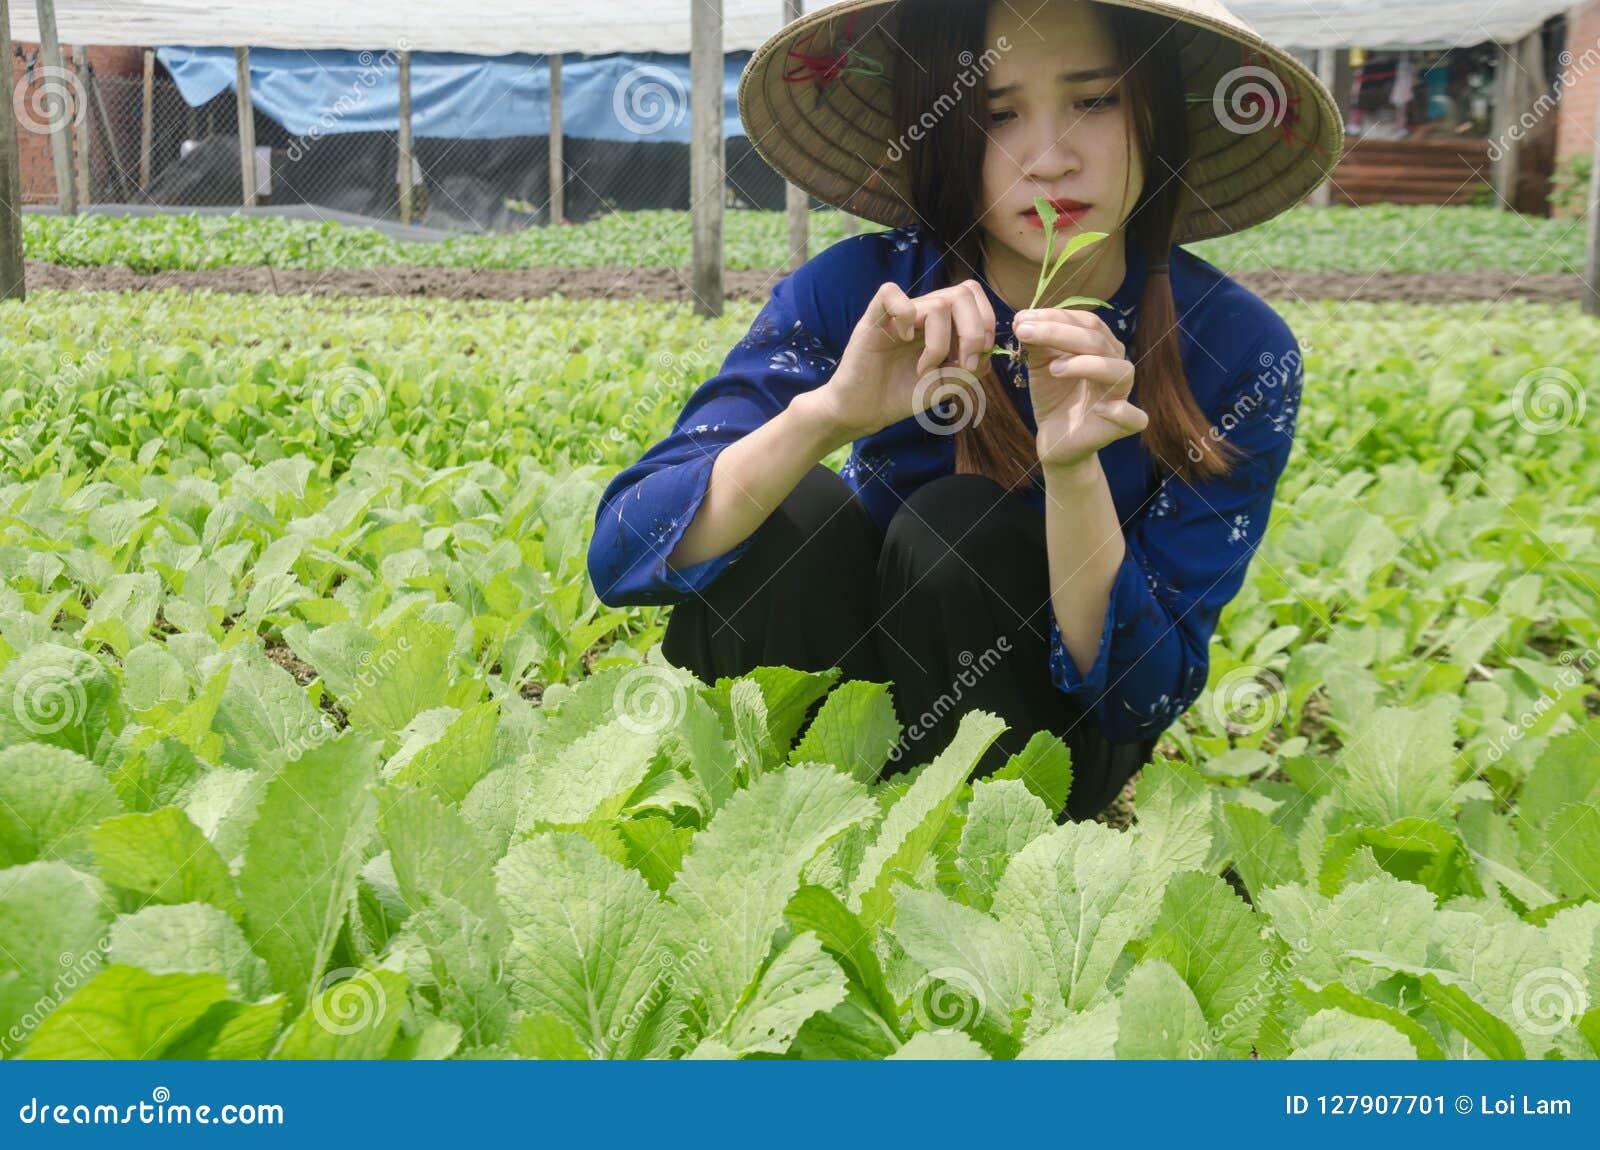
(247, 128)
(705, 153)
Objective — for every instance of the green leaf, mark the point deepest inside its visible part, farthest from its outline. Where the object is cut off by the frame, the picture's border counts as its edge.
(1400, 763)
(1003, 817)
(263, 716)
(1160, 1017)
(193, 938)
(1045, 765)
(842, 934)
(1337, 995)
(233, 1031)
(53, 924)
(1212, 939)
(453, 763)
(855, 730)
(913, 824)
(1416, 850)
(547, 1037)
(445, 876)
(60, 696)
(941, 1046)
(354, 1018)
(588, 943)
(164, 857)
(1574, 844)
(50, 799)
(978, 972)
(409, 672)
(126, 1013)
(1077, 896)
(305, 848)
(1263, 856)
(1173, 819)
(800, 982)
(1482, 1029)
(1332, 1033)
(742, 870)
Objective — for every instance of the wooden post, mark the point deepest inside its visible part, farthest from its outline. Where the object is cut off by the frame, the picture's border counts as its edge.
(796, 200)
(12, 285)
(247, 128)
(1327, 72)
(57, 106)
(405, 137)
(82, 140)
(1506, 109)
(558, 139)
(849, 224)
(147, 120)
(705, 153)
(1591, 267)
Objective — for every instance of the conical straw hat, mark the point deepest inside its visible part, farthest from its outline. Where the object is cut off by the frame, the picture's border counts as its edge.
(815, 100)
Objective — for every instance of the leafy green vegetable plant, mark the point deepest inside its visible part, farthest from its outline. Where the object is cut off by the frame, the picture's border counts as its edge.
(1052, 263)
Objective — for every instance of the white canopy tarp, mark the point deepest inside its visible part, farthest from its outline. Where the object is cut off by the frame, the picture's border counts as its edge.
(495, 27)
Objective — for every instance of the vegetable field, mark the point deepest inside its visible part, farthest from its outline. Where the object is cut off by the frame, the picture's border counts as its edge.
(316, 743)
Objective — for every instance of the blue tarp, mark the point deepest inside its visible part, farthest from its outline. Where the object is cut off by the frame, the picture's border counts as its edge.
(623, 98)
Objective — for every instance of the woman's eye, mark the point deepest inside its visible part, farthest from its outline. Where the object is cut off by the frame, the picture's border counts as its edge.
(1098, 103)
(1001, 116)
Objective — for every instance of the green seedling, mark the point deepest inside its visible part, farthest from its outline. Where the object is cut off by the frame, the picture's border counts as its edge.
(1048, 269)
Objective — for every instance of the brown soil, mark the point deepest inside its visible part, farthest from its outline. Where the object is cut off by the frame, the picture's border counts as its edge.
(672, 284)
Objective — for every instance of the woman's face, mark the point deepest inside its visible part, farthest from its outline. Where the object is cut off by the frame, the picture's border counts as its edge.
(1054, 133)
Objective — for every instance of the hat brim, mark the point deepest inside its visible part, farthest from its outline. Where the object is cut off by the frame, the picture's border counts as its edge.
(835, 138)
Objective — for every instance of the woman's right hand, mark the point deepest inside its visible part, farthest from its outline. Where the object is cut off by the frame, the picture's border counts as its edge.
(890, 368)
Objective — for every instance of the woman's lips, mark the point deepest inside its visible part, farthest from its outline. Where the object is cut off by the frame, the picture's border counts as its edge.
(1064, 216)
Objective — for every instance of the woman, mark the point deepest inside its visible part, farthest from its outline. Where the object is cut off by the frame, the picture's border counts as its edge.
(1049, 535)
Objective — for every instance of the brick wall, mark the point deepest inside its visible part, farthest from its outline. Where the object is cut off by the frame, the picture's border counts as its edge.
(33, 145)
(1581, 99)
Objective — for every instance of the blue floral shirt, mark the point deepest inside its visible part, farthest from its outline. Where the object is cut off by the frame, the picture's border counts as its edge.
(1188, 545)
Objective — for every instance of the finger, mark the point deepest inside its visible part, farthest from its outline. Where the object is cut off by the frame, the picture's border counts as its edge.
(970, 329)
(1061, 335)
(1126, 415)
(1113, 376)
(892, 311)
(935, 315)
(985, 308)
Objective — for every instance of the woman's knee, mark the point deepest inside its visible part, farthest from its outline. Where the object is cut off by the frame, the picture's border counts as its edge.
(819, 528)
(950, 529)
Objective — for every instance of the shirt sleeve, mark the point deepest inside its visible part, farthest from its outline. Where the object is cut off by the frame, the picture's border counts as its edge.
(1187, 554)
(647, 507)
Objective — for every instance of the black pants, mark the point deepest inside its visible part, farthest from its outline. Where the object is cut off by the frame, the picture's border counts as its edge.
(956, 592)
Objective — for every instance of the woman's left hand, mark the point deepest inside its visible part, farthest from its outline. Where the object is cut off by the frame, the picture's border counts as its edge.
(1079, 376)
